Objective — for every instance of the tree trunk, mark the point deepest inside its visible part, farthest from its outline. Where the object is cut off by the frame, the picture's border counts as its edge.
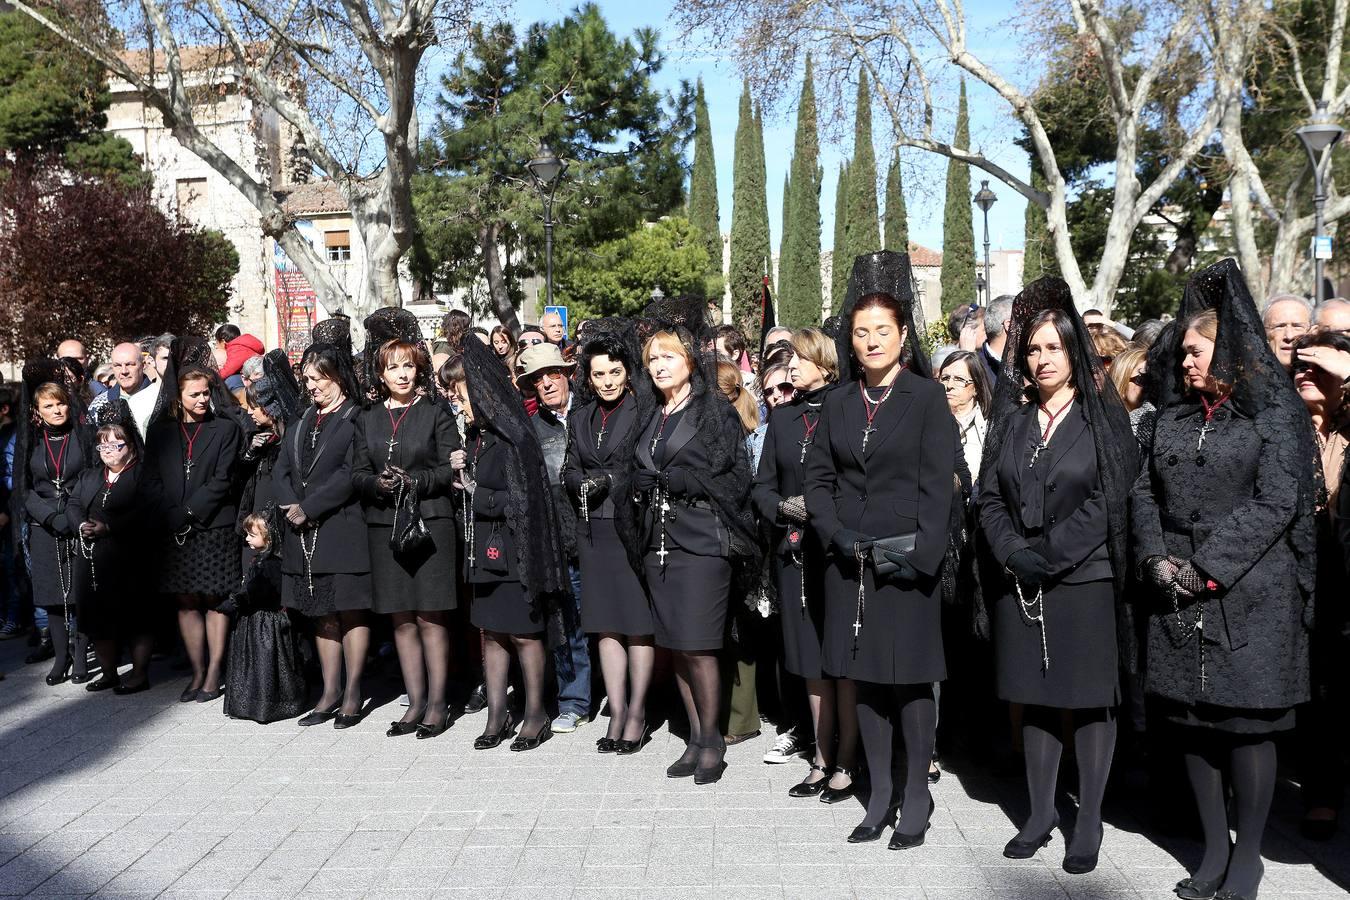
(488, 237)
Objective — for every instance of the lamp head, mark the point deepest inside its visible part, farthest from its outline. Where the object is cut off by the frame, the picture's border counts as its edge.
(985, 198)
(1321, 132)
(546, 168)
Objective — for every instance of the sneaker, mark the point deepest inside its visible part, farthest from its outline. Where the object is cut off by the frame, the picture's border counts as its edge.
(567, 722)
(787, 748)
(12, 630)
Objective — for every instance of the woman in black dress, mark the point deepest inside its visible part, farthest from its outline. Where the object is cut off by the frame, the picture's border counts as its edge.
(325, 562)
(602, 434)
(191, 457)
(879, 487)
(273, 403)
(517, 564)
(799, 561)
(694, 473)
(53, 449)
(1058, 459)
(402, 463)
(107, 508)
(1224, 530)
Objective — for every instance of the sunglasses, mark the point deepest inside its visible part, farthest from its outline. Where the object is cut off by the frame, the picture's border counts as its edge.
(1139, 379)
(526, 342)
(110, 448)
(782, 388)
(1106, 360)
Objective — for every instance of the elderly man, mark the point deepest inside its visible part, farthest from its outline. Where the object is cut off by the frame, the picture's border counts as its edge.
(1333, 315)
(996, 334)
(131, 385)
(1287, 317)
(542, 371)
(552, 324)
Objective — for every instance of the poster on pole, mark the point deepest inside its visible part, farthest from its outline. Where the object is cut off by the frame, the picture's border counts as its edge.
(1322, 247)
(297, 301)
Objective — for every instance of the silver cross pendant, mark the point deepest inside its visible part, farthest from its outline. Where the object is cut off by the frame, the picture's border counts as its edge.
(1204, 433)
(805, 445)
(867, 433)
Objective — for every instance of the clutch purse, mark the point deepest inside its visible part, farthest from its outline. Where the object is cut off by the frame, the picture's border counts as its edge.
(898, 543)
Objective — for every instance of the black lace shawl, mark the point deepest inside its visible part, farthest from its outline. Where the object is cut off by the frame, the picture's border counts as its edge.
(1117, 449)
(277, 390)
(394, 323)
(189, 352)
(335, 330)
(1261, 388)
(530, 511)
(884, 272)
(37, 372)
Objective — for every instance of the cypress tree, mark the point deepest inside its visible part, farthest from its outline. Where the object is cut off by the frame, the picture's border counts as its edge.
(1040, 252)
(958, 221)
(703, 213)
(783, 236)
(840, 262)
(863, 234)
(897, 220)
(749, 220)
(799, 282)
(762, 206)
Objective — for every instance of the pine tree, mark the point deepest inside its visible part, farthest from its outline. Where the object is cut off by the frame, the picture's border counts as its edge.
(703, 212)
(1040, 252)
(749, 220)
(958, 221)
(897, 219)
(864, 221)
(840, 262)
(799, 283)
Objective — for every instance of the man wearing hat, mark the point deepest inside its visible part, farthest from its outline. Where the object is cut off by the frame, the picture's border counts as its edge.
(542, 371)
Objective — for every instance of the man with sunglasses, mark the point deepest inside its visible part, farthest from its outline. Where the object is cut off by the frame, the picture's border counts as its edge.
(530, 336)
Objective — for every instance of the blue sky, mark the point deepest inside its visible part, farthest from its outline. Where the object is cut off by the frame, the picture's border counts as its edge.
(992, 129)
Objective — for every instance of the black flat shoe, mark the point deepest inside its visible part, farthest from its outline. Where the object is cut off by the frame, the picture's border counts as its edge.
(1082, 863)
(711, 775)
(1017, 849)
(806, 788)
(317, 717)
(81, 678)
(606, 745)
(628, 748)
(425, 731)
(399, 729)
(124, 689)
(522, 743)
(208, 696)
(189, 695)
(836, 795)
(487, 741)
(934, 775)
(102, 684)
(866, 834)
(900, 841)
(1194, 889)
(342, 720)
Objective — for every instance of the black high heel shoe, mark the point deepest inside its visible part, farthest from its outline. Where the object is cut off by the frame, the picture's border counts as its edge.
(54, 677)
(606, 745)
(102, 684)
(523, 743)
(487, 741)
(399, 729)
(866, 834)
(425, 731)
(901, 841)
(80, 678)
(806, 788)
(1082, 863)
(628, 748)
(1019, 849)
(835, 795)
(318, 716)
(1194, 889)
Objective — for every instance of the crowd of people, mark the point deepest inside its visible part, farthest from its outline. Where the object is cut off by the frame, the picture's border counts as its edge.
(1083, 524)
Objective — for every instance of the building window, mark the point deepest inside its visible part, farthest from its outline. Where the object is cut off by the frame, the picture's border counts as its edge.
(339, 246)
(191, 195)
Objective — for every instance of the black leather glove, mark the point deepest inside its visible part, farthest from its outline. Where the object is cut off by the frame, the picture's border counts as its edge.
(1029, 567)
(681, 484)
(645, 479)
(906, 572)
(573, 480)
(851, 543)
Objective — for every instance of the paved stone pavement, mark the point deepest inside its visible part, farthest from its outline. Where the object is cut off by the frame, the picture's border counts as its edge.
(145, 797)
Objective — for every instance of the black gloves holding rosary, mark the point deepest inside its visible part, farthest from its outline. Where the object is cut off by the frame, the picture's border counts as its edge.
(1029, 567)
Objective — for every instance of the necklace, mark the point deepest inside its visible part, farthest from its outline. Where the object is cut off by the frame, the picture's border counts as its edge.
(191, 440)
(809, 428)
(1210, 409)
(55, 461)
(394, 426)
(1049, 426)
(110, 479)
(661, 429)
(604, 421)
(319, 416)
(872, 407)
(469, 486)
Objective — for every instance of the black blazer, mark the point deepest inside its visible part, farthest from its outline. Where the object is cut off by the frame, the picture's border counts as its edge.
(494, 545)
(782, 472)
(691, 525)
(118, 564)
(426, 438)
(1057, 508)
(209, 497)
(325, 492)
(585, 460)
(42, 501)
(905, 480)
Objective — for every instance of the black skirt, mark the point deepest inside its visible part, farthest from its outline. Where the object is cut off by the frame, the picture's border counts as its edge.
(612, 598)
(51, 566)
(265, 678)
(422, 582)
(689, 599)
(501, 606)
(206, 563)
(1225, 719)
(1080, 635)
(900, 641)
(803, 624)
(332, 594)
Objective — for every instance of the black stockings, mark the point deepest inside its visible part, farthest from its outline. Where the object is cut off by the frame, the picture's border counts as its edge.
(205, 633)
(878, 706)
(423, 644)
(699, 678)
(529, 650)
(627, 671)
(1251, 769)
(1094, 738)
(67, 655)
(342, 641)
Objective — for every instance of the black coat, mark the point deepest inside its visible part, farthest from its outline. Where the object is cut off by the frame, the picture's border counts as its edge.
(426, 438)
(585, 460)
(1228, 508)
(325, 492)
(782, 471)
(208, 497)
(494, 543)
(118, 565)
(692, 523)
(903, 483)
(43, 504)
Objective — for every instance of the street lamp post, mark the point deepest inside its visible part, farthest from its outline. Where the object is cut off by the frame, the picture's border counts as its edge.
(1320, 134)
(984, 199)
(547, 170)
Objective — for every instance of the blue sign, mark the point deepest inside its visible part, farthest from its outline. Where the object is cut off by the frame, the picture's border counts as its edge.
(1321, 247)
(562, 314)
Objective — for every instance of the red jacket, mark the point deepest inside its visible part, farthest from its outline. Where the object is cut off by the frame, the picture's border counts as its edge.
(238, 351)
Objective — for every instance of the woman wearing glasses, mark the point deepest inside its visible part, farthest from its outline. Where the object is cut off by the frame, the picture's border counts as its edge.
(966, 381)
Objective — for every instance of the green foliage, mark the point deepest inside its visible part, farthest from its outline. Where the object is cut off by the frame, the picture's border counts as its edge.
(108, 156)
(589, 95)
(896, 235)
(958, 224)
(840, 262)
(749, 220)
(799, 282)
(703, 209)
(863, 232)
(616, 278)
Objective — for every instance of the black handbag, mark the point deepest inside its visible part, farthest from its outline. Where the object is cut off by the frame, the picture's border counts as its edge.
(410, 533)
(899, 543)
